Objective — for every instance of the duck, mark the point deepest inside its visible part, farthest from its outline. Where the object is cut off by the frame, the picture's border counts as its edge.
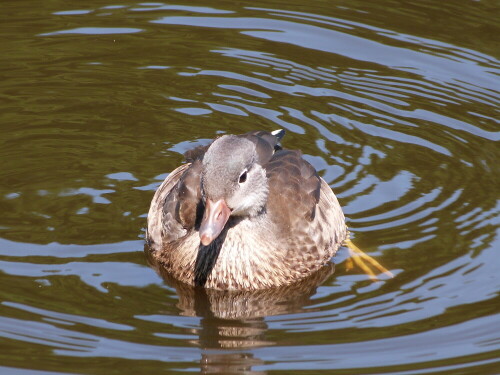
(243, 213)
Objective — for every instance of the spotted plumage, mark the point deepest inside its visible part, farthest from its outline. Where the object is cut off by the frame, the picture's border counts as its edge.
(244, 214)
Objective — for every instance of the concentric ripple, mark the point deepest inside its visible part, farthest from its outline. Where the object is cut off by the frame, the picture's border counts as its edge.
(396, 105)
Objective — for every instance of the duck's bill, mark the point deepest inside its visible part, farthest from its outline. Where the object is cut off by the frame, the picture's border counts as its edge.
(215, 217)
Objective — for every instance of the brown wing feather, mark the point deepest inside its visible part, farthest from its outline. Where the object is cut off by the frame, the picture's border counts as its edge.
(305, 210)
(176, 206)
(294, 187)
(155, 214)
(189, 196)
(196, 153)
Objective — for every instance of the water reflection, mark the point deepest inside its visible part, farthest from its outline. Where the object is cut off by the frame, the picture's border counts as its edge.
(237, 319)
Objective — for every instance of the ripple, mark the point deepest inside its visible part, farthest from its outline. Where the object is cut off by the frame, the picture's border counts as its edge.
(77, 344)
(95, 31)
(72, 12)
(20, 249)
(397, 113)
(451, 342)
(95, 274)
(68, 318)
(327, 40)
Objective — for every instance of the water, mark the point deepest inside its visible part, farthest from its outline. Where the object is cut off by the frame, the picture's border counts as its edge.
(395, 103)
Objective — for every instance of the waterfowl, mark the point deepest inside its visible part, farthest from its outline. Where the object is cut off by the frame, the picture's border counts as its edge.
(244, 214)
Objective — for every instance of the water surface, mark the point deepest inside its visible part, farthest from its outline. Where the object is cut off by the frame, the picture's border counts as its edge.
(395, 103)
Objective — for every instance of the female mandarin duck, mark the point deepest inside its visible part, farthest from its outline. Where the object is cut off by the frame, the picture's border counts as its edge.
(245, 214)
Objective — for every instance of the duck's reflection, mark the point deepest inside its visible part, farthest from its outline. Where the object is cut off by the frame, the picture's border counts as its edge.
(236, 319)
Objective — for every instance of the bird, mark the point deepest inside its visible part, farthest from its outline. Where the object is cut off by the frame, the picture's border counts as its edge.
(244, 213)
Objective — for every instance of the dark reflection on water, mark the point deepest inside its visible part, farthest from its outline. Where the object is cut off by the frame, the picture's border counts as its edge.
(396, 104)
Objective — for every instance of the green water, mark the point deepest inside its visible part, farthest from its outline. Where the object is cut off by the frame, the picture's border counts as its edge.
(395, 103)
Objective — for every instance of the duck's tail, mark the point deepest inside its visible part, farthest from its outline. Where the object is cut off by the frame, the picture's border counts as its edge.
(280, 133)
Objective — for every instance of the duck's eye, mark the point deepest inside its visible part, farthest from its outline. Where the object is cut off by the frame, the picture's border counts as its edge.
(243, 177)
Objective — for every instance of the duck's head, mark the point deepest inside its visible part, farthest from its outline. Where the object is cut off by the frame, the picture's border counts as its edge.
(233, 184)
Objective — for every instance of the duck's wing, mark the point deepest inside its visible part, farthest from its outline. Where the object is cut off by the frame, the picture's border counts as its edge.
(196, 153)
(294, 189)
(308, 219)
(304, 209)
(176, 207)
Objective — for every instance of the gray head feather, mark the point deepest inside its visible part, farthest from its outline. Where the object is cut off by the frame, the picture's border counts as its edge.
(223, 164)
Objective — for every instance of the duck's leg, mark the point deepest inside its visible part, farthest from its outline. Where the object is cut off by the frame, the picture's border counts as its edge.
(364, 261)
